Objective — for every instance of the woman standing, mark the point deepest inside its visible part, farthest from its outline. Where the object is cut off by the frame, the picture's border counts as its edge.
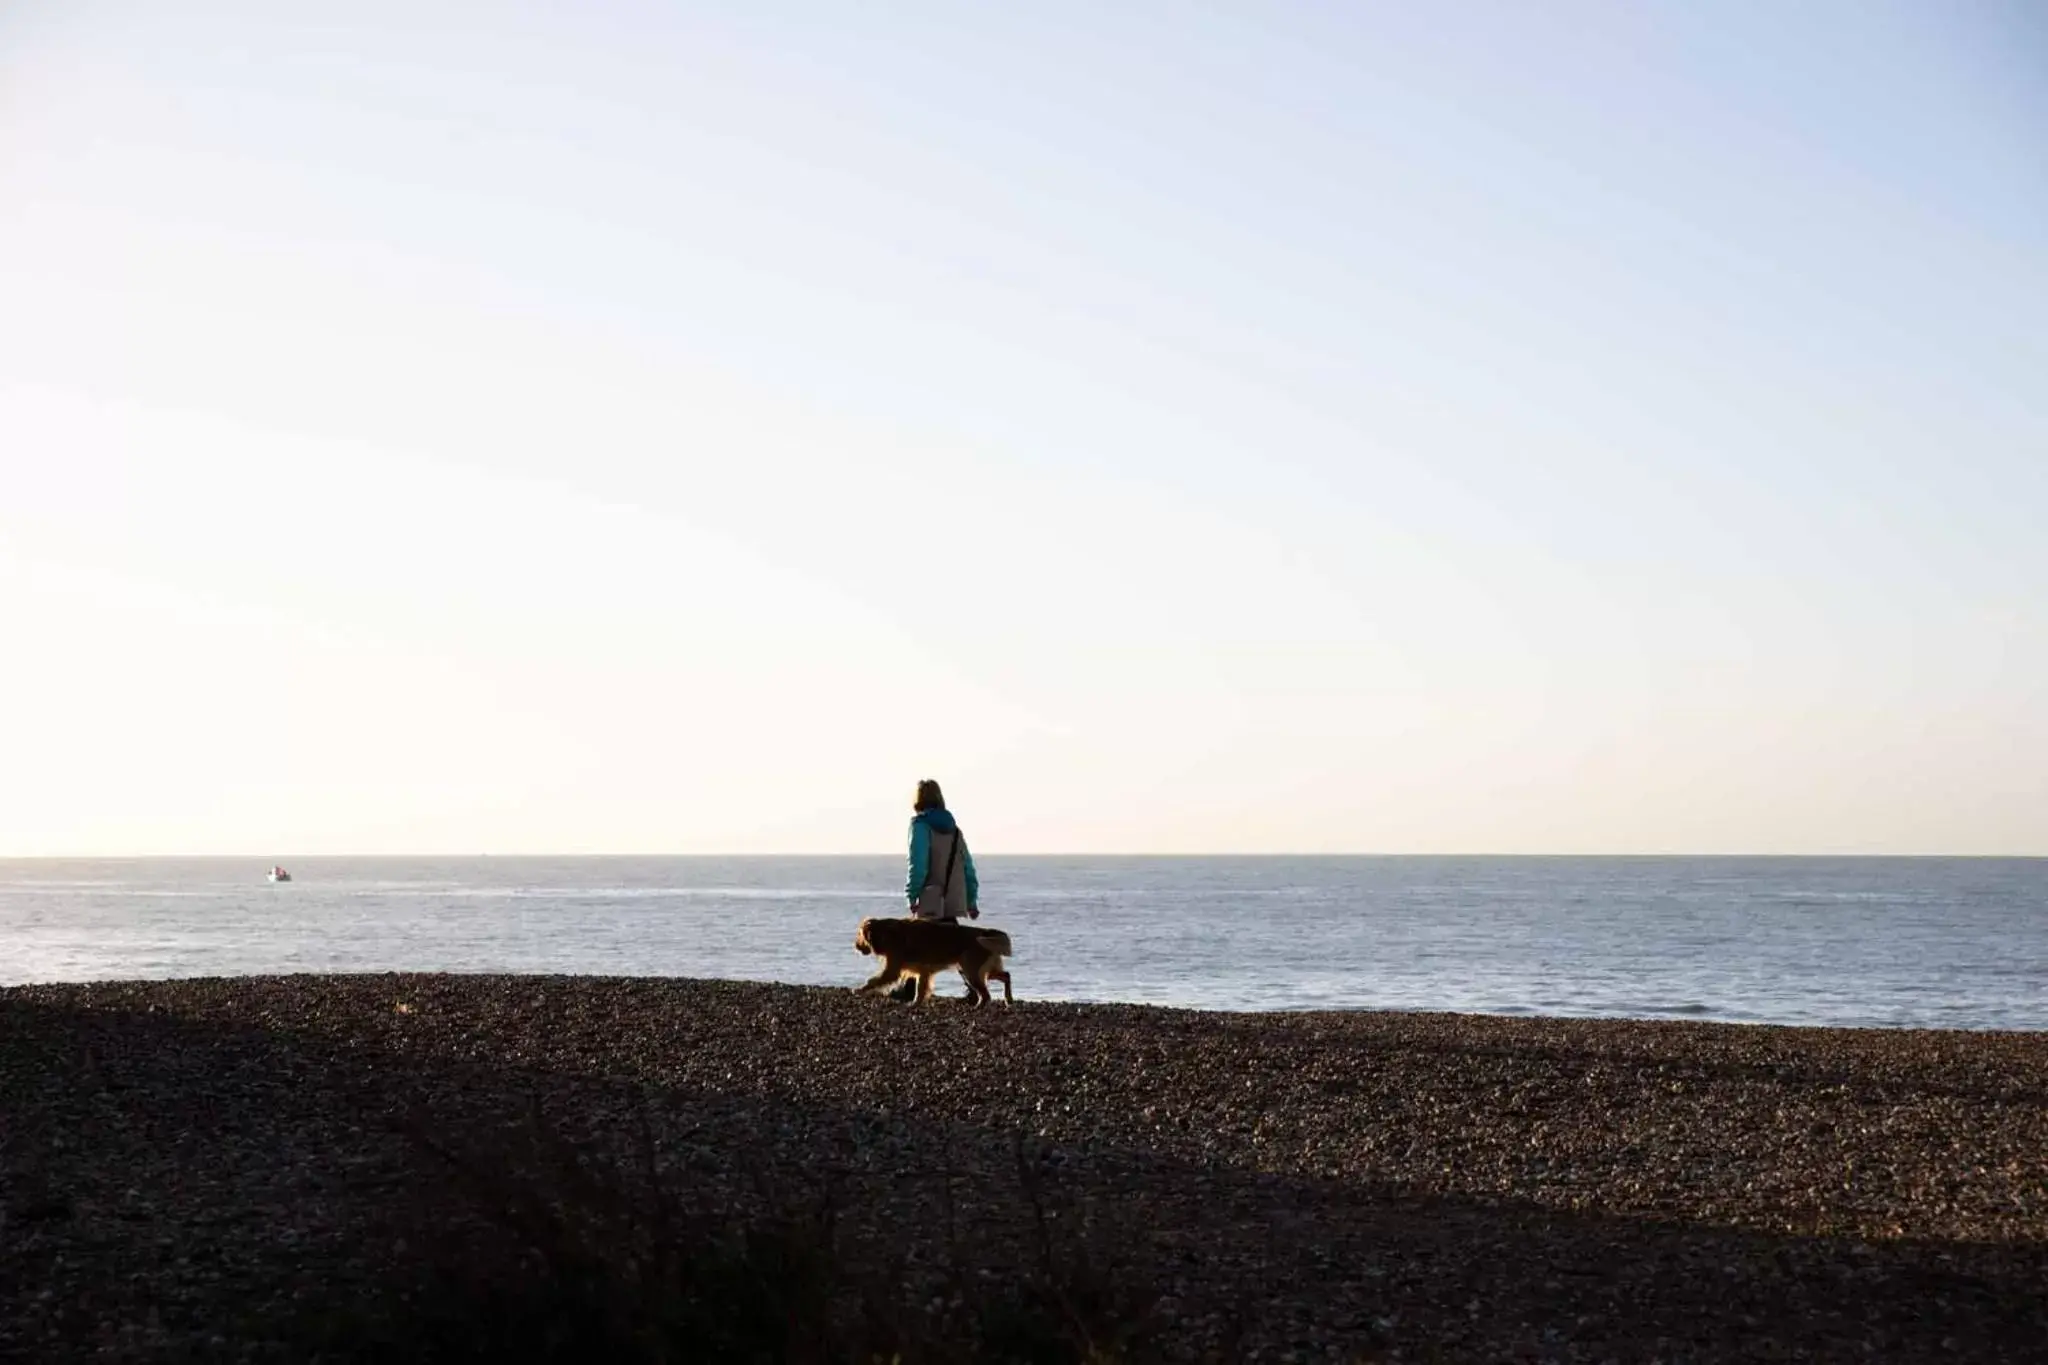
(942, 884)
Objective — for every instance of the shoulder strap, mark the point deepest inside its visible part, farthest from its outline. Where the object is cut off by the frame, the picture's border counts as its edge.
(952, 857)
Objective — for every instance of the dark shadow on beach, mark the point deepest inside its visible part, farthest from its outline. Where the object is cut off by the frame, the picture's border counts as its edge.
(179, 1187)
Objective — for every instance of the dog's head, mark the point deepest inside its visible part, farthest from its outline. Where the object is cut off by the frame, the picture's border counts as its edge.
(860, 938)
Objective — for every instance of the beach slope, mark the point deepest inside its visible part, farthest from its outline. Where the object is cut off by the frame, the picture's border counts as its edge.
(256, 1168)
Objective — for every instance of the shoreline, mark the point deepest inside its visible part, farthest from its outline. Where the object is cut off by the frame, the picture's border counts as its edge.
(1513, 1014)
(1394, 1184)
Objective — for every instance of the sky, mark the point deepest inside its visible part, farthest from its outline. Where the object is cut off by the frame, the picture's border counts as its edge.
(1386, 428)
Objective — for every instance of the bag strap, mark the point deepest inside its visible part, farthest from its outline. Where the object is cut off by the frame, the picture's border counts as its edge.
(952, 857)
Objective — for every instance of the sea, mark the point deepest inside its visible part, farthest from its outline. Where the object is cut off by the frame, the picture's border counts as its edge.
(1879, 942)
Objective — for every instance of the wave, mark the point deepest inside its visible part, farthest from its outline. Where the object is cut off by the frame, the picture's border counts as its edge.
(144, 892)
(1604, 1007)
(590, 893)
(1809, 897)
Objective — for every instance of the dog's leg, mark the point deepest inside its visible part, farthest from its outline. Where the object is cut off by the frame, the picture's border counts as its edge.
(974, 972)
(1004, 977)
(881, 980)
(924, 988)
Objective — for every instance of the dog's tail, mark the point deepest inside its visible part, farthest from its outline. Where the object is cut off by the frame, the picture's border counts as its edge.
(995, 940)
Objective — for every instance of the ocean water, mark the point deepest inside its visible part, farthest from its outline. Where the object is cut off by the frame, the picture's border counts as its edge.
(1948, 943)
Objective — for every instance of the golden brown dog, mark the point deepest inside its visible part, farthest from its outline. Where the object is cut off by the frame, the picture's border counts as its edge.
(925, 947)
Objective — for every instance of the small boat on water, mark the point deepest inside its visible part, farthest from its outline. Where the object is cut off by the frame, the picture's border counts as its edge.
(278, 874)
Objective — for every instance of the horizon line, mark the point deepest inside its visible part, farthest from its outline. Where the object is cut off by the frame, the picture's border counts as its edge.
(1009, 853)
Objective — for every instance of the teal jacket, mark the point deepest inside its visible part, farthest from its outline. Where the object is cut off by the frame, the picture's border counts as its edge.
(921, 854)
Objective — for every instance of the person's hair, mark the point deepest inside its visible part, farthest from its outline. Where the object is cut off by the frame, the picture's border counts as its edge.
(929, 797)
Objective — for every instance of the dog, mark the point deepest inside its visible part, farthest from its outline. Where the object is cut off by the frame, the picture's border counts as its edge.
(923, 948)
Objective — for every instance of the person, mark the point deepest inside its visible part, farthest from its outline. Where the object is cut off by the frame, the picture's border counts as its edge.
(942, 884)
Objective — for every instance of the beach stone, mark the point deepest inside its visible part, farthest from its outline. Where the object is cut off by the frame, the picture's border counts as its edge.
(1370, 1185)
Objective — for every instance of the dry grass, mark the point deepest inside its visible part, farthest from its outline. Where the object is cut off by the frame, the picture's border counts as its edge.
(564, 1258)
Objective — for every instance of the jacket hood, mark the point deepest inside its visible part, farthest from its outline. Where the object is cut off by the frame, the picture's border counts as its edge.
(940, 821)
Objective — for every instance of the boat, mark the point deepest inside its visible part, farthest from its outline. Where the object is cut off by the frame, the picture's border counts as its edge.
(278, 874)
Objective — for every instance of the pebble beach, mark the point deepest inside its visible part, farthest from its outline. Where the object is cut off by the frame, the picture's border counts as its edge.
(188, 1169)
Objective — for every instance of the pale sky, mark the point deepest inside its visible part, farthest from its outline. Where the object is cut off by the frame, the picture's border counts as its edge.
(632, 427)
